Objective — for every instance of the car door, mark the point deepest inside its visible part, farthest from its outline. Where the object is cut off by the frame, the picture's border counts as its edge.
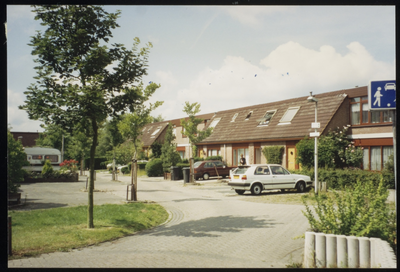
(210, 169)
(281, 178)
(263, 174)
(221, 170)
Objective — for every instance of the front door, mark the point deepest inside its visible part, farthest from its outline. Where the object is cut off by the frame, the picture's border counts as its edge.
(291, 158)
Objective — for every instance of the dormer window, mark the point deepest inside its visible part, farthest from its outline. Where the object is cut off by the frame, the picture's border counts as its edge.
(248, 115)
(267, 118)
(234, 117)
(214, 122)
(289, 115)
(156, 131)
(149, 128)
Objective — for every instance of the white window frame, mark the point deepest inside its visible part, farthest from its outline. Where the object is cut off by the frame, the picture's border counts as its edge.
(284, 120)
(234, 117)
(156, 131)
(214, 122)
(264, 119)
(249, 115)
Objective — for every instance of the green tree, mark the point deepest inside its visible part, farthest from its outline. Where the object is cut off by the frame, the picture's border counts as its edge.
(78, 148)
(157, 119)
(190, 126)
(156, 149)
(53, 137)
(169, 155)
(81, 81)
(16, 158)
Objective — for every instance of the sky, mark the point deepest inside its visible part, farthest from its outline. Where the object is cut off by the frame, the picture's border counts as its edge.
(227, 57)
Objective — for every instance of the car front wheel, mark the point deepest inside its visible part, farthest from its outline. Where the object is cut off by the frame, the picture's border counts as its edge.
(206, 176)
(256, 189)
(301, 187)
(239, 192)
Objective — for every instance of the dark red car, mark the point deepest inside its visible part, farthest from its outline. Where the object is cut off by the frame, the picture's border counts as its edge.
(207, 169)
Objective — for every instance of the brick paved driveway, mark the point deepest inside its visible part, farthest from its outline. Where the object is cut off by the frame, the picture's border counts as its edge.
(210, 226)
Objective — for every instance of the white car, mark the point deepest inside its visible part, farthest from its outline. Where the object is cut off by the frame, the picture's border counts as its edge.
(259, 177)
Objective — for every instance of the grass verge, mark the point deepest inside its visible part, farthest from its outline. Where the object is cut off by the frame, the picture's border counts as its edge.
(62, 229)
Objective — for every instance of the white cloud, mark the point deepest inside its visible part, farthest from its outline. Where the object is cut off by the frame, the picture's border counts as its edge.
(289, 71)
(252, 15)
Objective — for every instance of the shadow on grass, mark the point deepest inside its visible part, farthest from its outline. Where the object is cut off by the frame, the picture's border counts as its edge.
(209, 227)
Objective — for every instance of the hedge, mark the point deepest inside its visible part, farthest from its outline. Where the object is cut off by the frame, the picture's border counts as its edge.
(99, 163)
(340, 178)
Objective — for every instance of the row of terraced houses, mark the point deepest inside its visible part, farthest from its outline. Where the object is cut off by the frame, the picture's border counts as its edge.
(249, 129)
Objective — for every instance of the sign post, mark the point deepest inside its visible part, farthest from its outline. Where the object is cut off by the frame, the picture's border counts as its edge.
(382, 96)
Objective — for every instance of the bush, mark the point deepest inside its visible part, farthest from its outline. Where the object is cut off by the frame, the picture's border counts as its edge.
(154, 168)
(273, 154)
(359, 211)
(214, 158)
(16, 158)
(47, 170)
(142, 165)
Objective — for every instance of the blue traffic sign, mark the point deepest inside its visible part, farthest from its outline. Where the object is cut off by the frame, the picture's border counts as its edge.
(382, 95)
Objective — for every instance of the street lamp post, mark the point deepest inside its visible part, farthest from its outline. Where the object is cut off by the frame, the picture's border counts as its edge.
(315, 125)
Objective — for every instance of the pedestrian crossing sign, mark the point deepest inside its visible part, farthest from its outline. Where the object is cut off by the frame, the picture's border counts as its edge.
(382, 95)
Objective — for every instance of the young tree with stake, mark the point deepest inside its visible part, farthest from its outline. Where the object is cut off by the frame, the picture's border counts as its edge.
(80, 80)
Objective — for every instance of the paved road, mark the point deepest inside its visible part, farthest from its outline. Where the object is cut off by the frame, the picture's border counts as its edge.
(210, 226)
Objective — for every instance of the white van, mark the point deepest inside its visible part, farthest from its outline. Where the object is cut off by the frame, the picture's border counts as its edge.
(37, 155)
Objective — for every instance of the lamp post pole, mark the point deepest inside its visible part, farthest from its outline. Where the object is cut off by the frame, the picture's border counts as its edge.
(316, 151)
(315, 125)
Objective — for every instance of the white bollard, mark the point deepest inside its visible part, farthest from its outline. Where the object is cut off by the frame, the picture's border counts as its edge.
(320, 250)
(352, 250)
(331, 251)
(373, 252)
(309, 250)
(341, 244)
(365, 250)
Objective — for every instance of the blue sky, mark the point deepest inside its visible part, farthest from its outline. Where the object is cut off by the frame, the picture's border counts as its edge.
(226, 57)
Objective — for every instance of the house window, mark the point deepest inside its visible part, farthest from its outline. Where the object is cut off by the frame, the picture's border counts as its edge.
(360, 113)
(182, 154)
(289, 115)
(375, 157)
(149, 128)
(156, 131)
(267, 118)
(234, 117)
(213, 152)
(248, 115)
(237, 152)
(214, 122)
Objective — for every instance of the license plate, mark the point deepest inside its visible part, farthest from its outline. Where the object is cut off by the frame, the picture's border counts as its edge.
(236, 177)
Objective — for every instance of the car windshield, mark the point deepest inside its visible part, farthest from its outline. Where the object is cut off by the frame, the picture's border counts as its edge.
(241, 170)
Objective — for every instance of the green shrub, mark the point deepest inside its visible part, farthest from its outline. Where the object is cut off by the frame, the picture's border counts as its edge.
(360, 211)
(126, 170)
(47, 170)
(196, 159)
(154, 168)
(214, 158)
(142, 165)
(273, 154)
(99, 163)
(16, 158)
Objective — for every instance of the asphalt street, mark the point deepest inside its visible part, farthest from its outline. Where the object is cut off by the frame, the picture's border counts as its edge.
(209, 226)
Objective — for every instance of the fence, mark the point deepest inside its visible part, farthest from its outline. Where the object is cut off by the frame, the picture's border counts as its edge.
(329, 250)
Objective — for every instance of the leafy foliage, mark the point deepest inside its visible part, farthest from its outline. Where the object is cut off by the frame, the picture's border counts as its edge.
(154, 168)
(335, 150)
(75, 87)
(358, 211)
(169, 155)
(47, 170)
(156, 149)
(216, 158)
(190, 126)
(16, 158)
(70, 165)
(273, 154)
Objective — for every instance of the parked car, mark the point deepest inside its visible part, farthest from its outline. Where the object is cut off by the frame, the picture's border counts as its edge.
(109, 166)
(259, 177)
(207, 169)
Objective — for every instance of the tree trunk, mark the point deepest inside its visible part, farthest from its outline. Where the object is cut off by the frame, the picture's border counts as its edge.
(90, 223)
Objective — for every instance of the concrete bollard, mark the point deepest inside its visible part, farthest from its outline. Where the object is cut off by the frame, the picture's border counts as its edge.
(365, 250)
(352, 250)
(331, 251)
(373, 252)
(320, 250)
(309, 250)
(341, 244)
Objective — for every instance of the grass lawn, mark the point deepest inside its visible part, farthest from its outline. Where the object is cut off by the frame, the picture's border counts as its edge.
(62, 229)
